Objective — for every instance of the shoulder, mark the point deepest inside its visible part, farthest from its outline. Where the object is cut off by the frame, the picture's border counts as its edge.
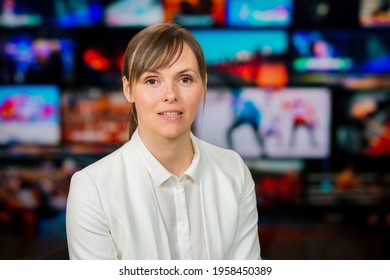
(224, 158)
(228, 168)
(108, 167)
(108, 161)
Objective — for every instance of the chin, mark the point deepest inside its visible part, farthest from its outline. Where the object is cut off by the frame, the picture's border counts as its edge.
(173, 133)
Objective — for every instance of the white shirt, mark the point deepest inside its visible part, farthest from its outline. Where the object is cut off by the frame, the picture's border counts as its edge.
(179, 204)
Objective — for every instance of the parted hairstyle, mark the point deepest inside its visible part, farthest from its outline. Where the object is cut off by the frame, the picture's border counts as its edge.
(156, 47)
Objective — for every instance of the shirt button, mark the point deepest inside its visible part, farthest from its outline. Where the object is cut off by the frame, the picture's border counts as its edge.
(183, 224)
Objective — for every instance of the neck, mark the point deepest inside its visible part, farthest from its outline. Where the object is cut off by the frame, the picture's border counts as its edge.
(174, 154)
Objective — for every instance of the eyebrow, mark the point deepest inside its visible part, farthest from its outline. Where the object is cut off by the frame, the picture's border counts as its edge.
(180, 72)
(186, 70)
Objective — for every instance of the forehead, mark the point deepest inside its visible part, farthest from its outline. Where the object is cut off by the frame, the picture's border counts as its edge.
(184, 58)
(187, 55)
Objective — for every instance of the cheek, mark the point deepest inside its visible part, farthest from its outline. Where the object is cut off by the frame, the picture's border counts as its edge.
(196, 102)
(143, 100)
(199, 95)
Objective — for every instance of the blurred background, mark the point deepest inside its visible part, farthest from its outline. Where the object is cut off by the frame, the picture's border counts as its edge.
(299, 88)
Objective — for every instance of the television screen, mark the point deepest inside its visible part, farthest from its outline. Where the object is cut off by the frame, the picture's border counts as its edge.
(341, 51)
(325, 14)
(374, 13)
(195, 13)
(281, 123)
(244, 57)
(20, 13)
(29, 114)
(363, 124)
(259, 13)
(93, 115)
(275, 190)
(33, 59)
(133, 13)
(77, 13)
(101, 63)
(315, 51)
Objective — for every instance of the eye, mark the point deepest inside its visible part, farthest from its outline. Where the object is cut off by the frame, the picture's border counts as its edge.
(186, 79)
(151, 81)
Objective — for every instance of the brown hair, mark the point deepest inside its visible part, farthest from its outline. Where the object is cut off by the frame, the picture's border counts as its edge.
(155, 47)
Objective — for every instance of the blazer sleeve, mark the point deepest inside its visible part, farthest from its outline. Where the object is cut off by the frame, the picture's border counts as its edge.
(247, 245)
(87, 229)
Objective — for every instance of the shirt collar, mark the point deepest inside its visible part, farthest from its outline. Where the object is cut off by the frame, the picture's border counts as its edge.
(194, 169)
(156, 170)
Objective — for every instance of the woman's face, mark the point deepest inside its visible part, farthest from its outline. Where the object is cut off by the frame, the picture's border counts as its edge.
(167, 99)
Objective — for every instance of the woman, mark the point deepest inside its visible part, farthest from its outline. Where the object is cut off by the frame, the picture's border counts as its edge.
(164, 194)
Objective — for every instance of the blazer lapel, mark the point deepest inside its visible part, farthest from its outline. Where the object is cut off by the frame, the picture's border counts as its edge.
(209, 214)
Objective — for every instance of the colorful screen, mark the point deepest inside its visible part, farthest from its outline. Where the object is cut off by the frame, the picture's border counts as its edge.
(363, 124)
(33, 59)
(95, 116)
(127, 13)
(77, 13)
(374, 13)
(29, 115)
(288, 122)
(20, 13)
(244, 57)
(341, 51)
(195, 13)
(101, 62)
(259, 13)
(314, 51)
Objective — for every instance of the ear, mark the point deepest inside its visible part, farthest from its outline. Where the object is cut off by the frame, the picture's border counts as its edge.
(126, 90)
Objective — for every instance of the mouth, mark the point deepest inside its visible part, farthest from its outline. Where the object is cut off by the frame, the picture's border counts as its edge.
(170, 114)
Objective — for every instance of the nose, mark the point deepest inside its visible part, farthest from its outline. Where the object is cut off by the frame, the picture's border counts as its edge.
(170, 93)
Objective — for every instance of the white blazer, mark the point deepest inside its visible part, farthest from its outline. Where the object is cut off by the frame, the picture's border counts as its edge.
(112, 211)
